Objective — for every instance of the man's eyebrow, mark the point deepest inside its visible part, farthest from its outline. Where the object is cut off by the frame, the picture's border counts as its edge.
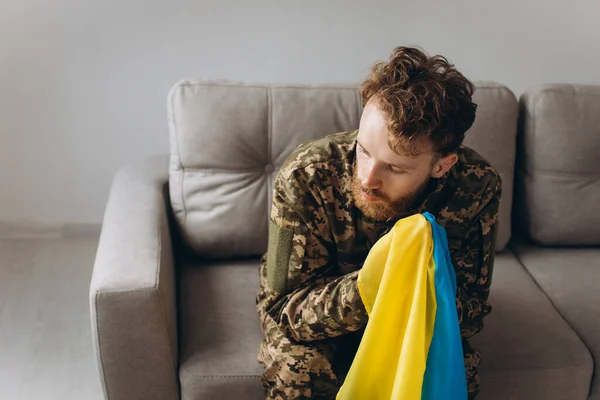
(401, 166)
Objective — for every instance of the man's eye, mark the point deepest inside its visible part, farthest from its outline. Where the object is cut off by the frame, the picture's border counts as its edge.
(397, 171)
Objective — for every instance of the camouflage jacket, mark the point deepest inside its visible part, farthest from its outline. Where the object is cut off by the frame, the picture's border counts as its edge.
(318, 240)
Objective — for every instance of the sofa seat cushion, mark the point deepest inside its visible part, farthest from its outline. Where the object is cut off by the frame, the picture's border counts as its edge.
(220, 331)
(528, 350)
(571, 279)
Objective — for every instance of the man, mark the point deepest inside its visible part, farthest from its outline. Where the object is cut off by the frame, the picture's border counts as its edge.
(335, 197)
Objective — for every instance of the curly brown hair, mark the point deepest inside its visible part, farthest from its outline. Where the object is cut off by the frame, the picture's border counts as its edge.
(425, 99)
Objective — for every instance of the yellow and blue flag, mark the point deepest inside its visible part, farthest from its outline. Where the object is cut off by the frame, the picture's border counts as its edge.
(411, 348)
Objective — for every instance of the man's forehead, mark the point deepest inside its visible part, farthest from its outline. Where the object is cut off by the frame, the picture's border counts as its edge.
(398, 156)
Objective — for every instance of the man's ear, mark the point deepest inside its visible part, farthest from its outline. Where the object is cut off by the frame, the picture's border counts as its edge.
(443, 165)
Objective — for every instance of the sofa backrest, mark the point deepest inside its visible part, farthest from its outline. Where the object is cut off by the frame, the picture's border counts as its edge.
(493, 135)
(558, 189)
(228, 141)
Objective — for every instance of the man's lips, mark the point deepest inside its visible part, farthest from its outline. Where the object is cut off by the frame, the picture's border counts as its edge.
(368, 197)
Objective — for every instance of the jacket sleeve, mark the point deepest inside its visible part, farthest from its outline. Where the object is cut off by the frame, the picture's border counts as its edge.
(474, 261)
(303, 295)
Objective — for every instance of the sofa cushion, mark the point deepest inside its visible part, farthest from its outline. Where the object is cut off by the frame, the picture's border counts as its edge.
(528, 350)
(570, 278)
(220, 331)
(220, 336)
(493, 135)
(559, 173)
(229, 140)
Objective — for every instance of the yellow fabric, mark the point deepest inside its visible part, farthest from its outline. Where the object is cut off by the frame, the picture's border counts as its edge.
(397, 287)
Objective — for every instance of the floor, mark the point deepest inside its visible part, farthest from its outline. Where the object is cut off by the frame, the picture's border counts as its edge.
(45, 344)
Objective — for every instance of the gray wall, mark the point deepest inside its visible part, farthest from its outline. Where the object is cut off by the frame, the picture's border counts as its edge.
(83, 83)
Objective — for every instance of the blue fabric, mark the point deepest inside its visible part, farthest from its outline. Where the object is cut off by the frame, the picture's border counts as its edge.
(445, 376)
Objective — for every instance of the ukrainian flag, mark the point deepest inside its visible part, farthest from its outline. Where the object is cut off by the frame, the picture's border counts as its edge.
(411, 348)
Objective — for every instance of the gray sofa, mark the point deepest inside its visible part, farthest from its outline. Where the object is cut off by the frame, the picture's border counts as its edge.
(173, 289)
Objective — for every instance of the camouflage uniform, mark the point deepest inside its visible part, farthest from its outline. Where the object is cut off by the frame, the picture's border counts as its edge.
(310, 310)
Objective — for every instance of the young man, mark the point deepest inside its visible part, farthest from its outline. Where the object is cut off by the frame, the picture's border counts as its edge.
(335, 197)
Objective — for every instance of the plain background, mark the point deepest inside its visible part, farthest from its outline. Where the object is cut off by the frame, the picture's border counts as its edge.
(83, 83)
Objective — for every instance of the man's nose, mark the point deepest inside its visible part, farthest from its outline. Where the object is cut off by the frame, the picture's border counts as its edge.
(370, 179)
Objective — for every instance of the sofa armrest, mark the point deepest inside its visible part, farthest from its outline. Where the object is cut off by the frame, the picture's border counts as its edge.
(132, 292)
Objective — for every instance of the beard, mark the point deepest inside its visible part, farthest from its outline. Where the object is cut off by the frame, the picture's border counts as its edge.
(384, 208)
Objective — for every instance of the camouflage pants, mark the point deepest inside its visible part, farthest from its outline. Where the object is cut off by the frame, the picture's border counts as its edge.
(309, 370)
(316, 370)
